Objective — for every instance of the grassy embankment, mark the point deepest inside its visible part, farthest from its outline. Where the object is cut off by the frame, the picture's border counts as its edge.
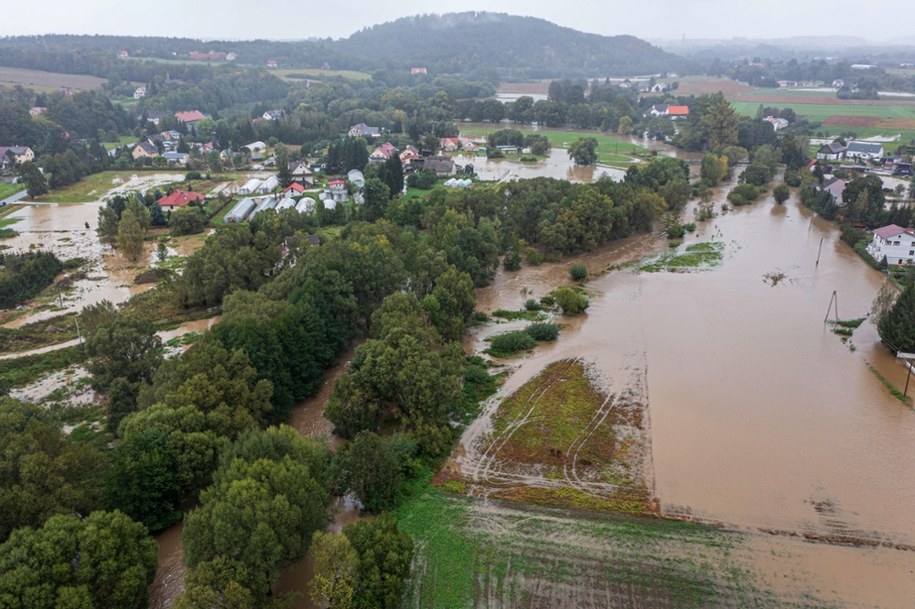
(697, 256)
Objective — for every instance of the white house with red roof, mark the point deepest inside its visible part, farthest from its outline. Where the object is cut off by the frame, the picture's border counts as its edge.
(178, 198)
(382, 153)
(894, 242)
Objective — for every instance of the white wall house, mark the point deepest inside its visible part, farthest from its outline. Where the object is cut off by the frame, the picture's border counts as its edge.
(894, 242)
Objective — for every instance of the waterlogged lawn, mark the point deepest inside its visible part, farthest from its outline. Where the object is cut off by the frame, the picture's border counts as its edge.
(697, 256)
(470, 552)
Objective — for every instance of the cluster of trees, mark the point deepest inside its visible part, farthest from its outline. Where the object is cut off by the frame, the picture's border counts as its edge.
(863, 199)
(539, 144)
(124, 220)
(24, 275)
(101, 560)
(896, 318)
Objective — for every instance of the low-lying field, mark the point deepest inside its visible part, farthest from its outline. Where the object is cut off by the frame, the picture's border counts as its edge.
(562, 441)
(473, 553)
(300, 74)
(39, 79)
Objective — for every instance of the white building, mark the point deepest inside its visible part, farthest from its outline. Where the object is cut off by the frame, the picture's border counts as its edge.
(894, 242)
(139, 93)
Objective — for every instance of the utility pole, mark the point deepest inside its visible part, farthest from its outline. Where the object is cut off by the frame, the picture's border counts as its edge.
(834, 299)
(819, 251)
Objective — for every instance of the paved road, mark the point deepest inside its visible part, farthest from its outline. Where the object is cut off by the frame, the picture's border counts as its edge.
(13, 198)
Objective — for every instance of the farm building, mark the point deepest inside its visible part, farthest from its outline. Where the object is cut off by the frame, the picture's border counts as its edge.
(831, 152)
(306, 205)
(285, 203)
(250, 187)
(864, 150)
(264, 203)
(269, 185)
(356, 178)
(241, 210)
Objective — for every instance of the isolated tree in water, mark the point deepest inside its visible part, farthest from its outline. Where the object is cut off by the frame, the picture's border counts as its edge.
(584, 151)
(33, 179)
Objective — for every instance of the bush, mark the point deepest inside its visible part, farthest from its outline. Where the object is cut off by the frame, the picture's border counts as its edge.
(511, 342)
(548, 301)
(188, 221)
(534, 256)
(756, 174)
(570, 300)
(744, 194)
(424, 180)
(512, 261)
(793, 179)
(781, 193)
(578, 272)
(543, 331)
(193, 175)
(531, 305)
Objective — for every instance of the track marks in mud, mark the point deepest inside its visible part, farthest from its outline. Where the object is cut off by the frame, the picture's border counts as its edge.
(562, 439)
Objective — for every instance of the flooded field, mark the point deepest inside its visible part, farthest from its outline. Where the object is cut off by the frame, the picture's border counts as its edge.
(556, 165)
(761, 418)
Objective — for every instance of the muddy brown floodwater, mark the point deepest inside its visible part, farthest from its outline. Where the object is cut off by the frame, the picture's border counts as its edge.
(761, 418)
(556, 165)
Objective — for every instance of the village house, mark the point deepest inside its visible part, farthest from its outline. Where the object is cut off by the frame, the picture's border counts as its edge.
(337, 191)
(895, 243)
(441, 165)
(777, 123)
(864, 151)
(294, 190)
(273, 115)
(176, 158)
(190, 117)
(139, 93)
(15, 155)
(833, 151)
(122, 54)
(408, 155)
(301, 173)
(363, 130)
(178, 198)
(272, 63)
(144, 149)
(835, 187)
(418, 70)
(382, 153)
(37, 111)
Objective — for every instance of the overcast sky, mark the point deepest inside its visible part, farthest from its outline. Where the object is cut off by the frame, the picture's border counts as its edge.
(288, 19)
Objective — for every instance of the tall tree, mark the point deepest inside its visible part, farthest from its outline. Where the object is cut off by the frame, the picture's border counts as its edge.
(131, 235)
(34, 181)
(719, 122)
(584, 151)
(282, 166)
(333, 583)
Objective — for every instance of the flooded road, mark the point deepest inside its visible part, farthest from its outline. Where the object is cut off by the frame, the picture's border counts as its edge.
(761, 418)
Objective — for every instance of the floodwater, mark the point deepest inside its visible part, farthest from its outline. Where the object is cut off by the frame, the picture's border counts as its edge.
(556, 165)
(761, 418)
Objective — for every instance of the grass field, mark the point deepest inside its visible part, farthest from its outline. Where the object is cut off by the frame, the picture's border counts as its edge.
(614, 150)
(44, 81)
(7, 190)
(123, 140)
(93, 187)
(473, 553)
(300, 74)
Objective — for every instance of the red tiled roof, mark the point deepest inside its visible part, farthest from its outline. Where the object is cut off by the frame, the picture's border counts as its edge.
(677, 110)
(190, 116)
(296, 187)
(179, 198)
(890, 231)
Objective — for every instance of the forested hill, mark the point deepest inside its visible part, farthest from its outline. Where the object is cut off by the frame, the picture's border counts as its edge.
(486, 46)
(463, 42)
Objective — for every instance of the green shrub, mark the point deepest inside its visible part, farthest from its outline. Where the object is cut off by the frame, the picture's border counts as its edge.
(579, 272)
(543, 331)
(512, 261)
(570, 300)
(548, 301)
(534, 256)
(531, 305)
(506, 344)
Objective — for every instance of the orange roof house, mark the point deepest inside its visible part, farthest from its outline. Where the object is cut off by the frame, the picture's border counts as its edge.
(179, 198)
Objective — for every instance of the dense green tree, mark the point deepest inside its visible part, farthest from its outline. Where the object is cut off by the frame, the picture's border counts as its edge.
(377, 197)
(260, 514)
(570, 300)
(333, 582)
(713, 168)
(35, 183)
(127, 347)
(107, 225)
(131, 235)
(282, 166)
(42, 470)
(105, 560)
(897, 326)
(371, 470)
(583, 151)
(188, 221)
(385, 555)
(781, 193)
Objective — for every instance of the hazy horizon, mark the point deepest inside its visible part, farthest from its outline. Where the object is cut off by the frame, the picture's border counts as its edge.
(658, 20)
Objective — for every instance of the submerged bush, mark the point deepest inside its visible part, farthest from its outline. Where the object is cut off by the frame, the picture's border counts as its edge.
(511, 342)
(543, 331)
